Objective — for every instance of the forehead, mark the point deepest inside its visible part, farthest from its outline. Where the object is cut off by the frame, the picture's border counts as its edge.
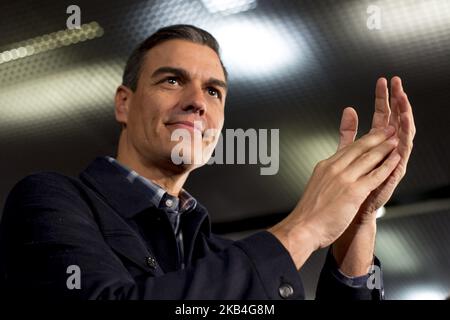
(198, 60)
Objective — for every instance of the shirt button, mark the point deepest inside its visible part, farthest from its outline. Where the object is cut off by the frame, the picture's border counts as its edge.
(286, 290)
(151, 262)
(169, 202)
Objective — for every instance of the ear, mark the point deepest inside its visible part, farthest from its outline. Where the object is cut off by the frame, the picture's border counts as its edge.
(122, 104)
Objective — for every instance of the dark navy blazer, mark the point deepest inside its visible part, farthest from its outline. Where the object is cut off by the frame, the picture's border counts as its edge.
(125, 248)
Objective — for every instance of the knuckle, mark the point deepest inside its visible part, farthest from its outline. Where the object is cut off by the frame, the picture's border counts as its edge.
(367, 157)
(333, 169)
(391, 142)
(360, 145)
(321, 165)
(410, 147)
(387, 147)
(351, 190)
(343, 180)
(375, 174)
(382, 170)
(373, 138)
(379, 134)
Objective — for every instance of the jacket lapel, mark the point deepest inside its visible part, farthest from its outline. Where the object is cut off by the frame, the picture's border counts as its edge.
(127, 200)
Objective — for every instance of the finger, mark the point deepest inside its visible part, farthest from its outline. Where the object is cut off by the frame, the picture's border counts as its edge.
(371, 159)
(404, 107)
(382, 110)
(396, 92)
(346, 155)
(405, 145)
(407, 129)
(377, 176)
(348, 127)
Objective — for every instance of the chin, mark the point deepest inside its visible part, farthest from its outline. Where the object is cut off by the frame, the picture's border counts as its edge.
(182, 168)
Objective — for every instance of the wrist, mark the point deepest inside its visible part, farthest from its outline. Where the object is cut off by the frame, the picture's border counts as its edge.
(354, 250)
(298, 240)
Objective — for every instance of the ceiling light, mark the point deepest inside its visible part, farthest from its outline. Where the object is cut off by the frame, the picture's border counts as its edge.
(51, 41)
(68, 93)
(257, 48)
(229, 6)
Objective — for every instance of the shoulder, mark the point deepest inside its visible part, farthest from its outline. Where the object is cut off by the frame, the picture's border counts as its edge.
(46, 188)
(42, 183)
(220, 242)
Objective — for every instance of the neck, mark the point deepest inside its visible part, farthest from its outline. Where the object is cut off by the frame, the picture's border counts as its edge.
(165, 176)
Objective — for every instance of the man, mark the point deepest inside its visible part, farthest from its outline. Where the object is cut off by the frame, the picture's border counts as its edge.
(126, 228)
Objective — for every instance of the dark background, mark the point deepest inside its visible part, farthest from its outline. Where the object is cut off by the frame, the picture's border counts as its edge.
(294, 66)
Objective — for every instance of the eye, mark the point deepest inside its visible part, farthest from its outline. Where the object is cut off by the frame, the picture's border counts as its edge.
(172, 80)
(214, 92)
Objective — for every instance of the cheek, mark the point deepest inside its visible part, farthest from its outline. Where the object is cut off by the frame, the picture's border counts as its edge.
(216, 119)
(153, 112)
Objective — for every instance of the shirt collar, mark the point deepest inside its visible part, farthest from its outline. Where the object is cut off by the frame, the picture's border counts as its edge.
(158, 195)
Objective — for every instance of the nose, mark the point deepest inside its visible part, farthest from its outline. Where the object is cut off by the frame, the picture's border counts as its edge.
(195, 100)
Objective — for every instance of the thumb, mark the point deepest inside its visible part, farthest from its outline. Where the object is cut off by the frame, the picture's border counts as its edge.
(348, 127)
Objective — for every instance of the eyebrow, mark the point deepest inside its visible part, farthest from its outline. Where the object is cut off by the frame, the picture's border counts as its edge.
(184, 74)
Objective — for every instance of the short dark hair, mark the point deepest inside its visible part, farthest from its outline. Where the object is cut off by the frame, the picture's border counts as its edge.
(179, 31)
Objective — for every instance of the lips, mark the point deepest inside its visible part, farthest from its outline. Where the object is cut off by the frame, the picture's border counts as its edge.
(196, 125)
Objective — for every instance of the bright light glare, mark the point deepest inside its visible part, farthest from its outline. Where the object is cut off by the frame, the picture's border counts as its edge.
(381, 212)
(407, 18)
(403, 21)
(51, 41)
(254, 48)
(63, 94)
(423, 293)
(229, 6)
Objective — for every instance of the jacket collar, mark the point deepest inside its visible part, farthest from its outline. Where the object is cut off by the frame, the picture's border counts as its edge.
(127, 198)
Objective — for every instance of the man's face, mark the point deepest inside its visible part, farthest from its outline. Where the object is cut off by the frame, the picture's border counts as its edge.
(181, 86)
